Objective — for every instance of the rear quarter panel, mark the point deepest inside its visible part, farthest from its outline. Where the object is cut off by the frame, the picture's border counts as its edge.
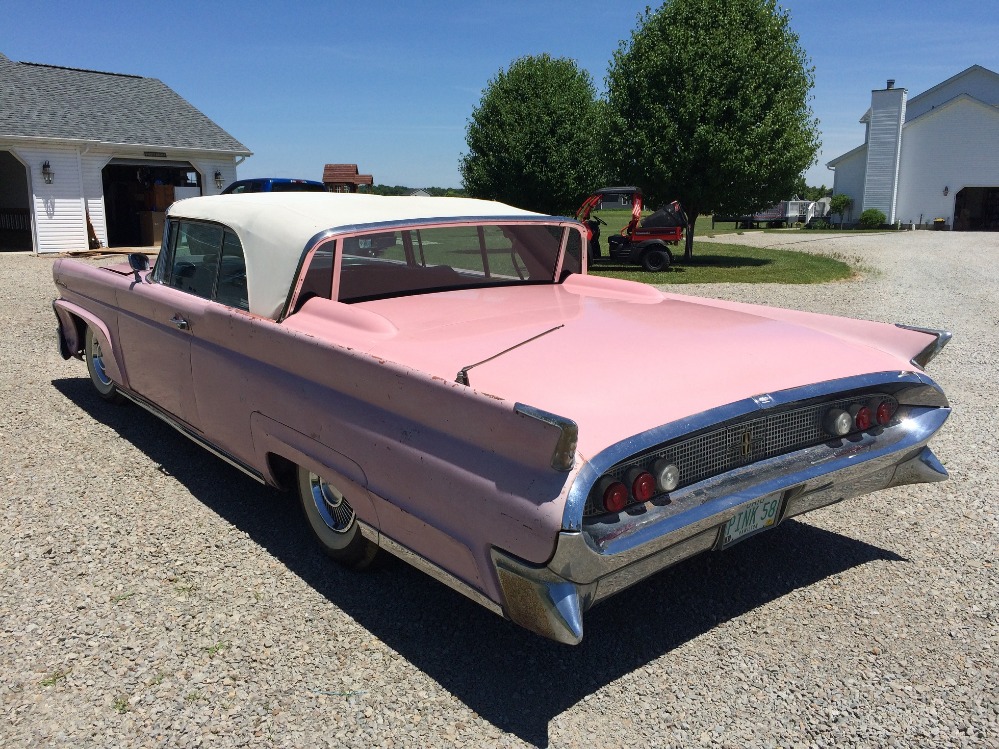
(450, 472)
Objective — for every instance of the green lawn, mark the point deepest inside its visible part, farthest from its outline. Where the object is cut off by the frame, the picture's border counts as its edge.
(721, 263)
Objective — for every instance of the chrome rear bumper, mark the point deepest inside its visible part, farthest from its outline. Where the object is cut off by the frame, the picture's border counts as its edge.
(598, 560)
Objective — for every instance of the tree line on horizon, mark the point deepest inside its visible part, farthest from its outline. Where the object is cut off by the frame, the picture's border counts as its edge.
(436, 192)
(707, 103)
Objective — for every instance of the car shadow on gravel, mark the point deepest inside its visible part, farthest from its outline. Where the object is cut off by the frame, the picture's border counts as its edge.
(515, 680)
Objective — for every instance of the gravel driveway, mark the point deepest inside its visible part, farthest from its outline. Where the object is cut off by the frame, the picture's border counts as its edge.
(150, 595)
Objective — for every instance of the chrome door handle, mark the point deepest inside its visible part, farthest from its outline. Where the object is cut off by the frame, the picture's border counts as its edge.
(180, 322)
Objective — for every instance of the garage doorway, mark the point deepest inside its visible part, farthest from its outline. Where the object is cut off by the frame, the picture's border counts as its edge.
(136, 194)
(977, 209)
(15, 205)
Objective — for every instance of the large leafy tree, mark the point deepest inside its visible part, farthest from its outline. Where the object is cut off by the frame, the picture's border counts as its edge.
(532, 140)
(708, 104)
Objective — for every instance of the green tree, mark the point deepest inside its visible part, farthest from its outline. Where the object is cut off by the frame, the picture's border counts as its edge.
(709, 104)
(840, 204)
(817, 193)
(532, 140)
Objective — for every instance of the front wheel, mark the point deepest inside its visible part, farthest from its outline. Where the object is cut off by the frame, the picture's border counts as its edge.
(656, 260)
(103, 384)
(334, 522)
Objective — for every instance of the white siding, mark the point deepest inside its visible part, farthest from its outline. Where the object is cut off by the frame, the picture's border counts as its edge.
(59, 225)
(92, 164)
(881, 179)
(59, 209)
(979, 83)
(207, 168)
(953, 147)
(849, 180)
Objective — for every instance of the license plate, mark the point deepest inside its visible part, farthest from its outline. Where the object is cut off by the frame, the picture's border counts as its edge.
(756, 516)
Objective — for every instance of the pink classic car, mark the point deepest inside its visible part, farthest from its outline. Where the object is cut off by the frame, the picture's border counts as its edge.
(432, 375)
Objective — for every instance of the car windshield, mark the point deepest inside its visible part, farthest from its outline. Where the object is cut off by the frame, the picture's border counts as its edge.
(413, 261)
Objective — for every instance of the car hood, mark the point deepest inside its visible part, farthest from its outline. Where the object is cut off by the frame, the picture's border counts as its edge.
(619, 358)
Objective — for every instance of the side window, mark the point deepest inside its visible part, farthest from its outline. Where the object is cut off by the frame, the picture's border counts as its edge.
(195, 258)
(237, 189)
(231, 286)
(573, 261)
(318, 280)
(164, 261)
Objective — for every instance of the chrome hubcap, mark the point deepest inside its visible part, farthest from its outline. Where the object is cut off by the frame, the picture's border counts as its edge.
(98, 358)
(333, 508)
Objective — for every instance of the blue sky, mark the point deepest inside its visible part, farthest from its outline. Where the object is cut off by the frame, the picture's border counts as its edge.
(390, 85)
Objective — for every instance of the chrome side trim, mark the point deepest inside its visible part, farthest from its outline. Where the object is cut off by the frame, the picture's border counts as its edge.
(897, 384)
(218, 452)
(564, 455)
(426, 566)
(927, 355)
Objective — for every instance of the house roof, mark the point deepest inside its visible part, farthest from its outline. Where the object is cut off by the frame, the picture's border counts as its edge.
(917, 100)
(345, 174)
(967, 71)
(924, 99)
(46, 101)
(959, 99)
(845, 156)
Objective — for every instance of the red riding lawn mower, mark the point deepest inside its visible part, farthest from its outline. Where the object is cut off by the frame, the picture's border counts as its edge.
(642, 242)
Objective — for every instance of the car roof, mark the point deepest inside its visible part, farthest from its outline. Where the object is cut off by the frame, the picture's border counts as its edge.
(275, 228)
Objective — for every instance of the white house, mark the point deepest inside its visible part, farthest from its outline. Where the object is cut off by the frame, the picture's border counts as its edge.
(91, 158)
(935, 155)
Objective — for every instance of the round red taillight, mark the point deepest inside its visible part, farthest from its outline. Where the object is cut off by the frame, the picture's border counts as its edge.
(883, 414)
(615, 497)
(643, 488)
(863, 418)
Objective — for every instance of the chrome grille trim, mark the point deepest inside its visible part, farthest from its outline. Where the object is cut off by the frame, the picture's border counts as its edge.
(749, 440)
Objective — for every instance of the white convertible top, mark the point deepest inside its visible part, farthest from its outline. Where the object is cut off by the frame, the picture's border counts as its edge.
(275, 227)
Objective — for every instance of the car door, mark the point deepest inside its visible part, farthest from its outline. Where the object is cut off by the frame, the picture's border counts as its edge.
(159, 316)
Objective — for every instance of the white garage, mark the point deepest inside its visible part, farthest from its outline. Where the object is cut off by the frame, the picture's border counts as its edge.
(89, 158)
(930, 157)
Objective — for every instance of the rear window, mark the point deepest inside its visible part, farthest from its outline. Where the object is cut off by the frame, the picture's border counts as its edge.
(414, 261)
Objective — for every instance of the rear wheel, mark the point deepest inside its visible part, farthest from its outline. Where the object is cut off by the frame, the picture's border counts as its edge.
(103, 384)
(334, 522)
(656, 259)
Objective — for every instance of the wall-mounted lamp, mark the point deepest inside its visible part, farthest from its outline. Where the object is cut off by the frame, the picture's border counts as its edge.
(47, 173)
(218, 179)
(946, 191)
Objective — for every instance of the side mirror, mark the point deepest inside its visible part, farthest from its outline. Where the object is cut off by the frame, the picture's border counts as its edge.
(138, 262)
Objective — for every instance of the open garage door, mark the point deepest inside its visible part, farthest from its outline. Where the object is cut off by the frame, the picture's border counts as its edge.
(15, 204)
(977, 209)
(137, 192)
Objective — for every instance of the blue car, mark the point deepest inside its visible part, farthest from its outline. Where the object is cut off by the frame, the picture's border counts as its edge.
(274, 184)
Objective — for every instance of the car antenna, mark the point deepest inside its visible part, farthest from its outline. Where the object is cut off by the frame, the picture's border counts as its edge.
(462, 378)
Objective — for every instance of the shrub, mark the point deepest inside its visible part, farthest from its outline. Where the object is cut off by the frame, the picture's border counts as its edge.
(817, 223)
(872, 218)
